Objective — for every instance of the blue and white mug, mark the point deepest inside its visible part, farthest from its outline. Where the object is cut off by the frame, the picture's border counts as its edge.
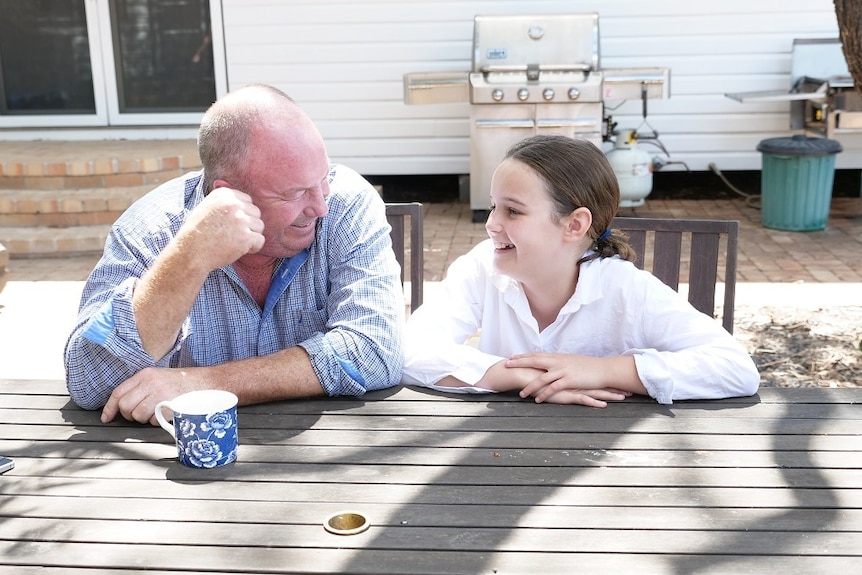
(204, 426)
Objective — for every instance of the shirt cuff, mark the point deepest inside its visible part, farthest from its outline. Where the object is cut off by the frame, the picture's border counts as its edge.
(654, 374)
(337, 376)
(113, 327)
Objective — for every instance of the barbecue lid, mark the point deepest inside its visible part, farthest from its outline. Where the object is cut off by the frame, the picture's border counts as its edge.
(557, 42)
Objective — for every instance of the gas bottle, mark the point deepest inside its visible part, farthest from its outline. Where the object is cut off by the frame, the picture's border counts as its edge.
(633, 168)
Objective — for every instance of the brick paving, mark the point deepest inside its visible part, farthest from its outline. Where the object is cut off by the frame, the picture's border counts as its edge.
(765, 255)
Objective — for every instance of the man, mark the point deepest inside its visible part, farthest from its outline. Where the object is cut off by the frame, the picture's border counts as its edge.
(269, 273)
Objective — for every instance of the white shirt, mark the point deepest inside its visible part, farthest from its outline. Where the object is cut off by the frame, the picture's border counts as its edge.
(616, 310)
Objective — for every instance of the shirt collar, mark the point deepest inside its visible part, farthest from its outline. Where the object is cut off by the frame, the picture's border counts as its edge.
(589, 288)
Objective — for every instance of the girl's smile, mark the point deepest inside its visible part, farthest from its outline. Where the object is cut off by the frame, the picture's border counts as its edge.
(525, 230)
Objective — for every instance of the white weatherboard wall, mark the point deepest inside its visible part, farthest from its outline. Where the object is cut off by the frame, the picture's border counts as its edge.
(344, 61)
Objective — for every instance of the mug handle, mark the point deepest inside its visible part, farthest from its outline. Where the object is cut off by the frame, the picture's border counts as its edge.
(166, 425)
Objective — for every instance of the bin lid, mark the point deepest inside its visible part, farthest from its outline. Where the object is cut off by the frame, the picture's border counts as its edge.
(799, 145)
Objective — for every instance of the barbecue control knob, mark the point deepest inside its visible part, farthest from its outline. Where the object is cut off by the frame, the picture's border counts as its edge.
(548, 94)
(523, 94)
(574, 93)
(497, 94)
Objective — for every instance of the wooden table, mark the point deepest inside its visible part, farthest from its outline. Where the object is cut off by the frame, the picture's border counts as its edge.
(457, 484)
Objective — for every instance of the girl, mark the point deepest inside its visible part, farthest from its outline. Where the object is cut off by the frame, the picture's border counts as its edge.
(563, 314)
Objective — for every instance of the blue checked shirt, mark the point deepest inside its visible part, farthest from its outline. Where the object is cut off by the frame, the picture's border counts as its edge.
(341, 299)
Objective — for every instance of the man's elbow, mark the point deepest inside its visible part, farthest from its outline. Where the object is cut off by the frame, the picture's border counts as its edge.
(83, 396)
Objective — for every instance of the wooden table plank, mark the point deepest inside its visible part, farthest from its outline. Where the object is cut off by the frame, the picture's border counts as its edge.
(339, 491)
(253, 474)
(219, 559)
(255, 427)
(408, 537)
(483, 456)
(104, 438)
(395, 514)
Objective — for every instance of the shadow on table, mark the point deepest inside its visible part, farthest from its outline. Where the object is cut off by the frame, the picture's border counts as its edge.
(90, 444)
(552, 498)
(788, 530)
(579, 442)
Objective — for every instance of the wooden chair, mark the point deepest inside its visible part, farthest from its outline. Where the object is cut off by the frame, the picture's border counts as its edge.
(396, 213)
(704, 261)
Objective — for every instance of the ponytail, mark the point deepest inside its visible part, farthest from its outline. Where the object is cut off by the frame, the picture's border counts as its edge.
(610, 243)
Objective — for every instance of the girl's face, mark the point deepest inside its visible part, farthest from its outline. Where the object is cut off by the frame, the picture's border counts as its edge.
(529, 241)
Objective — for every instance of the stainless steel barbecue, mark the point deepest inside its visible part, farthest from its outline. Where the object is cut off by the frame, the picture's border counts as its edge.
(532, 74)
(823, 98)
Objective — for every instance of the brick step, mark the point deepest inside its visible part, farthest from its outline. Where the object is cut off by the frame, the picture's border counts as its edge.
(152, 178)
(60, 197)
(68, 164)
(63, 208)
(43, 241)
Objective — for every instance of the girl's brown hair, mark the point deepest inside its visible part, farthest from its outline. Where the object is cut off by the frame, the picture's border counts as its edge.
(577, 174)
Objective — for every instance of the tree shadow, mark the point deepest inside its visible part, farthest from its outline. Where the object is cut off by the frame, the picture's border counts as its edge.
(496, 511)
(517, 470)
(576, 442)
(728, 545)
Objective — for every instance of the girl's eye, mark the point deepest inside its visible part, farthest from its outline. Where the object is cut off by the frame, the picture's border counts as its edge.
(509, 211)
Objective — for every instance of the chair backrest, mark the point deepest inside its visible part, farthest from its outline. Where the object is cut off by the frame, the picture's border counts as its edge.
(397, 213)
(669, 236)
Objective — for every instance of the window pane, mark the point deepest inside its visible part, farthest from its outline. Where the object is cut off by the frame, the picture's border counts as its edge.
(45, 58)
(164, 55)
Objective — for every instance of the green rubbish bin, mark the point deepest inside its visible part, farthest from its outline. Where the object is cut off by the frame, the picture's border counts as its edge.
(796, 180)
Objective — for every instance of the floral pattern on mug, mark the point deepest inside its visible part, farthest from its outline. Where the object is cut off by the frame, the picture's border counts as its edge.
(187, 428)
(204, 427)
(203, 453)
(218, 423)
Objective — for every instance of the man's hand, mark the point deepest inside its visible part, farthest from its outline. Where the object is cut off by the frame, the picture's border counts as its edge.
(136, 398)
(225, 226)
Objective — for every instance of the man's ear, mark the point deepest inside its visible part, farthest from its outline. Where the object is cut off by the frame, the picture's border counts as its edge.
(578, 223)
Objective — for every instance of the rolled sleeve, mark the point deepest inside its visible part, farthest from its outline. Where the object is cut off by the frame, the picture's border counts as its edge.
(655, 374)
(354, 272)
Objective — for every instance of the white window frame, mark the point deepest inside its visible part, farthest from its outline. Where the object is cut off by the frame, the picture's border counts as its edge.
(105, 93)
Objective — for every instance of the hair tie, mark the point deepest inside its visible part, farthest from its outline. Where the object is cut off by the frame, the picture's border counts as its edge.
(604, 236)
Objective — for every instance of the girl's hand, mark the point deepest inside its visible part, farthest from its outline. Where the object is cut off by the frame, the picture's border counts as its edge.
(588, 397)
(586, 380)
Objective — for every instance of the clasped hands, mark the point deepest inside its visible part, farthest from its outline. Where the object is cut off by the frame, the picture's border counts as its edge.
(570, 378)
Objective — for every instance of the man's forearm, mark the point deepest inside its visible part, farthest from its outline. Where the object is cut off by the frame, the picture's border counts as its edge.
(163, 298)
(286, 374)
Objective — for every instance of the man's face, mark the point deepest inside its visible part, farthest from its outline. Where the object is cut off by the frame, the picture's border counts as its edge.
(289, 183)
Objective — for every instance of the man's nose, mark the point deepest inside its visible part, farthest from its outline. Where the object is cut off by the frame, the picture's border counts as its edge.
(317, 206)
